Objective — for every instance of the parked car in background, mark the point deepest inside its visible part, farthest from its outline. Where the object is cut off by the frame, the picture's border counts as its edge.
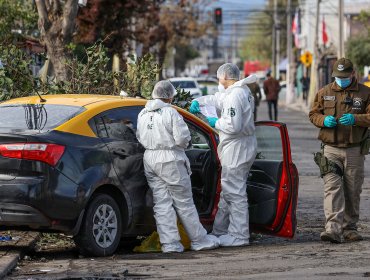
(72, 164)
(188, 84)
(208, 85)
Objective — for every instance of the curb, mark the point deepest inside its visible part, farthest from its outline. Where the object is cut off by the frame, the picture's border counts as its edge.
(13, 253)
(8, 263)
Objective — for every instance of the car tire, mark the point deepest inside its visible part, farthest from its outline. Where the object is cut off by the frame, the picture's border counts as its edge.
(100, 232)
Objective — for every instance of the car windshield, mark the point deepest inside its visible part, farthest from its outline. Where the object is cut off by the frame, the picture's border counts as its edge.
(183, 84)
(35, 117)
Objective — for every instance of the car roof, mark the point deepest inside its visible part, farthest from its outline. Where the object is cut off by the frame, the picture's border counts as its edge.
(82, 100)
(94, 104)
(207, 79)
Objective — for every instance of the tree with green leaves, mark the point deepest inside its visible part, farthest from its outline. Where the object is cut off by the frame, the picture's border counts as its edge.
(257, 45)
(16, 79)
(17, 17)
(358, 48)
(118, 23)
(56, 22)
(179, 23)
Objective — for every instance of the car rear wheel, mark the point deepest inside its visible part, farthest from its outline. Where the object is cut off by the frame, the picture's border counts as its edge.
(100, 232)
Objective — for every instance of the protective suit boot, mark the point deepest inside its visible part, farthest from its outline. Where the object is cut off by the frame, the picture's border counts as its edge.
(228, 240)
(175, 247)
(206, 243)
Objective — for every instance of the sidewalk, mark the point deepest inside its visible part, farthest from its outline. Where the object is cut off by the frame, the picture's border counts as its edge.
(13, 250)
(296, 106)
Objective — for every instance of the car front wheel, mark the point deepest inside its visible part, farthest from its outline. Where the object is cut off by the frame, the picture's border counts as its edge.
(100, 232)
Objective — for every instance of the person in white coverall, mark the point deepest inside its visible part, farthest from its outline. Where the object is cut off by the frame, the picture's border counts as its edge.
(236, 150)
(164, 134)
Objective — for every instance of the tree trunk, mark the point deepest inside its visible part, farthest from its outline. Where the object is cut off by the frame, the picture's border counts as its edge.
(57, 56)
(56, 24)
(161, 57)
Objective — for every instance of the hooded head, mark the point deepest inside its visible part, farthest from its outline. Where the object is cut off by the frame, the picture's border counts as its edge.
(163, 90)
(228, 74)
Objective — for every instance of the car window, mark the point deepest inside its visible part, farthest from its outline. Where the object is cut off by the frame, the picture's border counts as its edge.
(198, 138)
(118, 124)
(183, 84)
(21, 117)
(269, 144)
(207, 83)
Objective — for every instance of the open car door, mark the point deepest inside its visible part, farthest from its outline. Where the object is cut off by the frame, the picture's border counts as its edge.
(273, 182)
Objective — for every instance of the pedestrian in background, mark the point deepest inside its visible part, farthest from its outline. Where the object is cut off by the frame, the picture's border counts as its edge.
(305, 87)
(256, 92)
(271, 88)
(342, 112)
(164, 135)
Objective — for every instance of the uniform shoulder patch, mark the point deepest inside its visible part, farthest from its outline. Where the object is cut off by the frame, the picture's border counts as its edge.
(231, 112)
(329, 98)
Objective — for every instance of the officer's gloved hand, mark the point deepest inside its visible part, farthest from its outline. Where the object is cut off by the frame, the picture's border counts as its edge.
(347, 119)
(194, 107)
(330, 121)
(212, 121)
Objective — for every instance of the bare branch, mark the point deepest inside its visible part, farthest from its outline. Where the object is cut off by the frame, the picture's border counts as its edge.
(69, 18)
(44, 23)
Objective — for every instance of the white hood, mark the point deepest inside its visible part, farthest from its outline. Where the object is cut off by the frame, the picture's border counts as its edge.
(155, 104)
(248, 80)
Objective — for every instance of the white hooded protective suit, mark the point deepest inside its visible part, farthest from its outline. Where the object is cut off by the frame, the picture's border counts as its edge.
(164, 134)
(237, 151)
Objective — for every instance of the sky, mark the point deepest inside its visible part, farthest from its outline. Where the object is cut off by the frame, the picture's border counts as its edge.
(235, 17)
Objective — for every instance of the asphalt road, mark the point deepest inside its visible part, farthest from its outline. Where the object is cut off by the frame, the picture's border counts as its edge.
(304, 257)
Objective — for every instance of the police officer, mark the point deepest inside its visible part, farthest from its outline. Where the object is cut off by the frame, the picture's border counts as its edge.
(342, 112)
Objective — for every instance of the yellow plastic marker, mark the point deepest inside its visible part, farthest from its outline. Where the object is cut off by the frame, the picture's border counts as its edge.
(151, 244)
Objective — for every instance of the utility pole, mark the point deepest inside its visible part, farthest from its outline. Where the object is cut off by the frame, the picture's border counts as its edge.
(215, 44)
(290, 94)
(233, 43)
(273, 60)
(278, 28)
(314, 79)
(341, 19)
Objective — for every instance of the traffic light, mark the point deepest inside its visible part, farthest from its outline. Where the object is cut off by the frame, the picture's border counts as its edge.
(218, 15)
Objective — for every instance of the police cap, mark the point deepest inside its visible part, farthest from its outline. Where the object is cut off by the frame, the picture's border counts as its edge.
(343, 68)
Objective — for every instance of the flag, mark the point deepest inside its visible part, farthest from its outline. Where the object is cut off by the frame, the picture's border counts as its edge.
(325, 38)
(296, 30)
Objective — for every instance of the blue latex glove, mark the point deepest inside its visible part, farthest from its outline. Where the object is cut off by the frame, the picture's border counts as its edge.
(194, 107)
(347, 119)
(212, 121)
(330, 121)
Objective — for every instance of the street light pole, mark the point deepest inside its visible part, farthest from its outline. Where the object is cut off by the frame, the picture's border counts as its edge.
(273, 67)
(278, 27)
(341, 19)
(314, 79)
(290, 93)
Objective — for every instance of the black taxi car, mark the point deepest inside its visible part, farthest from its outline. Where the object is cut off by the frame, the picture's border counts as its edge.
(72, 164)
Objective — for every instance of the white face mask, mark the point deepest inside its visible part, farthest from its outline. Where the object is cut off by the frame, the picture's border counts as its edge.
(221, 88)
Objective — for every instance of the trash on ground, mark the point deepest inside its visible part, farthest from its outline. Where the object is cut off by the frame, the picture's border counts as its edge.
(151, 244)
(5, 238)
